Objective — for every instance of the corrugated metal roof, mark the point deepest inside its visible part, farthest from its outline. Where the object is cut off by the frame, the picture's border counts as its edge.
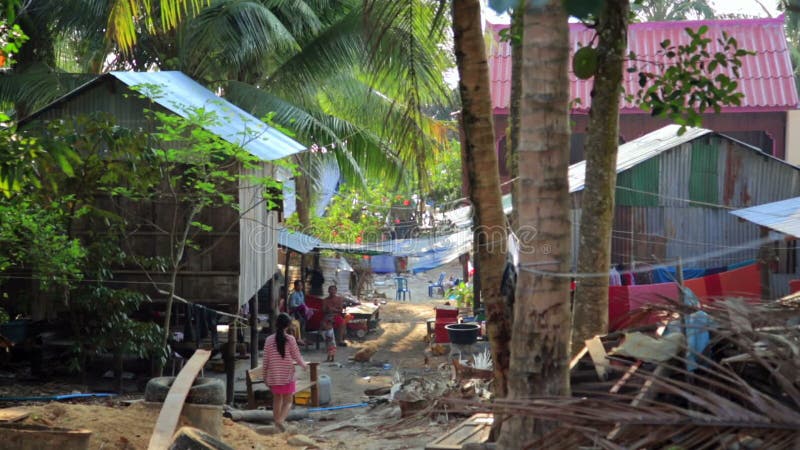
(638, 151)
(299, 242)
(782, 216)
(181, 95)
(767, 79)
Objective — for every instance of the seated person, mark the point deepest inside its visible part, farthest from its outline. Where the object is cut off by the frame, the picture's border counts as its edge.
(294, 330)
(333, 308)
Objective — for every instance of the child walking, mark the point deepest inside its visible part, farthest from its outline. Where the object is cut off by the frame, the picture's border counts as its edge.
(280, 355)
(330, 339)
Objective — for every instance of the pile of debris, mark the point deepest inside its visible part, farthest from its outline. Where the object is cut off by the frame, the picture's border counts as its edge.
(720, 375)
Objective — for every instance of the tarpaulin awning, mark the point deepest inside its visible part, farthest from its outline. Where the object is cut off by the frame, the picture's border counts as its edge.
(782, 216)
(299, 242)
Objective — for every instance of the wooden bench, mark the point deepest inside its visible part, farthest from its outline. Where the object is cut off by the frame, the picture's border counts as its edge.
(256, 376)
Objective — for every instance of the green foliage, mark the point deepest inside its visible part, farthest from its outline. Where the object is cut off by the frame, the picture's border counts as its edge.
(101, 317)
(693, 80)
(445, 175)
(11, 35)
(33, 238)
(583, 9)
(502, 6)
(463, 294)
(354, 215)
(662, 10)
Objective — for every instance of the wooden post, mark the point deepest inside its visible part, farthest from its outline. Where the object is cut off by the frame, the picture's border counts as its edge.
(254, 332)
(765, 256)
(312, 367)
(230, 358)
(276, 302)
(682, 303)
(476, 282)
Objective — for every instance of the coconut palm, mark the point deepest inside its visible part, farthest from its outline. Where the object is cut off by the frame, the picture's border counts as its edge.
(662, 10)
(540, 335)
(481, 165)
(318, 66)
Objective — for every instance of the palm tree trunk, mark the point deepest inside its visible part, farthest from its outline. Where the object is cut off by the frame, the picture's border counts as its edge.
(512, 143)
(483, 178)
(590, 311)
(302, 194)
(540, 337)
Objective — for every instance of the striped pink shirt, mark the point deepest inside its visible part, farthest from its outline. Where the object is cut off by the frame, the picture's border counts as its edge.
(277, 370)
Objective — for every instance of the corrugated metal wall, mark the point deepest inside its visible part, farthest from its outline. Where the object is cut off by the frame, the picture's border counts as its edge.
(258, 234)
(106, 97)
(697, 183)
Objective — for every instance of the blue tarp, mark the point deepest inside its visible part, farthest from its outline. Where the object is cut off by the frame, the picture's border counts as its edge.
(666, 274)
(382, 263)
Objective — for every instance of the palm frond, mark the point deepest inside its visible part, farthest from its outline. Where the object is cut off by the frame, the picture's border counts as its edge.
(743, 393)
(37, 86)
(231, 35)
(359, 152)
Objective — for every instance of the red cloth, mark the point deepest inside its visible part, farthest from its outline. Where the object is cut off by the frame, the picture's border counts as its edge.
(618, 306)
(624, 301)
(651, 294)
(742, 282)
(698, 286)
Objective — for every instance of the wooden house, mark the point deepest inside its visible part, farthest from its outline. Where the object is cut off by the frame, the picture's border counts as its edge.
(239, 254)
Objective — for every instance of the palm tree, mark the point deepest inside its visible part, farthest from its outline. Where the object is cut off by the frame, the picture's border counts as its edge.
(484, 182)
(540, 336)
(662, 10)
(590, 309)
(319, 66)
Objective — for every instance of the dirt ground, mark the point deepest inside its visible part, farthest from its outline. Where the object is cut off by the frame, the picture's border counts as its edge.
(400, 344)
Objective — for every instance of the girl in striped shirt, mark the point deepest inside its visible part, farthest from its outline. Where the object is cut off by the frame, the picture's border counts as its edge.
(280, 355)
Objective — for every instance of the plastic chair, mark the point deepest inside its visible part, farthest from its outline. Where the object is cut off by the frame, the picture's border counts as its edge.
(402, 288)
(438, 285)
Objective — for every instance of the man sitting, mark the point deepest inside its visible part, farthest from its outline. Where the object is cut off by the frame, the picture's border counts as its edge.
(333, 308)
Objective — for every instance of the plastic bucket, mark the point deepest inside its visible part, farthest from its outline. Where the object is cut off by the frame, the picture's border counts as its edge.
(463, 333)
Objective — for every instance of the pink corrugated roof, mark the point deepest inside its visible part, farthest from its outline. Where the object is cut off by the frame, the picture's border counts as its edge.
(766, 77)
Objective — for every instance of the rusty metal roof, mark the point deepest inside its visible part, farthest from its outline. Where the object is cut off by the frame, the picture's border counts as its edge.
(782, 216)
(767, 80)
(638, 151)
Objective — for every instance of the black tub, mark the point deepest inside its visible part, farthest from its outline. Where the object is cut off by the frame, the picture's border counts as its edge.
(463, 333)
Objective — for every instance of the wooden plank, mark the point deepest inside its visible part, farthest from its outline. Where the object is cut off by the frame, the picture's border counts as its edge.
(13, 414)
(647, 392)
(173, 405)
(598, 354)
(475, 429)
(578, 357)
(632, 369)
(624, 379)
